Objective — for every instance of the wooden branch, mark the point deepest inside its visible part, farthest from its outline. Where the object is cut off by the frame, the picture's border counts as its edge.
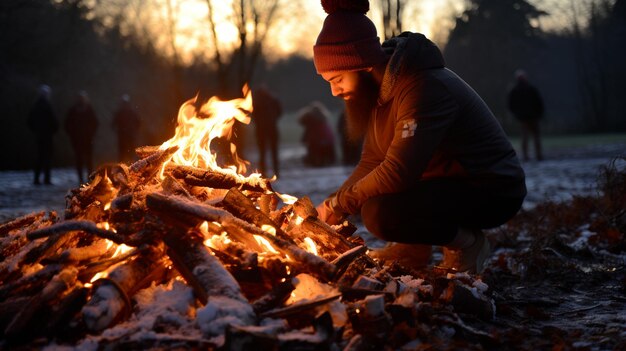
(347, 257)
(59, 283)
(29, 282)
(324, 235)
(76, 225)
(216, 179)
(315, 264)
(90, 269)
(304, 208)
(76, 254)
(172, 186)
(275, 297)
(12, 244)
(298, 307)
(168, 204)
(148, 167)
(20, 222)
(146, 150)
(110, 302)
(202, 271)
(238, 204)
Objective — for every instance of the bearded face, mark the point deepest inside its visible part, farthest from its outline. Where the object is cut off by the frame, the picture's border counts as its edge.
(360, 105)
(359, 90)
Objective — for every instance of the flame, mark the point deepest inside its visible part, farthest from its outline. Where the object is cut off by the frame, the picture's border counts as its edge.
(288, 199)
(265, 244)
(311, 247)
(120, 249)
(197, 128)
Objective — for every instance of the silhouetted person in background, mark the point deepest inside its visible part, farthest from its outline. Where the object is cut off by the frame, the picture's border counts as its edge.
(350, 148)
(526, 105)
(265, 114)
(43, 122)
(126, 123)
(318, 136)
(81, 124)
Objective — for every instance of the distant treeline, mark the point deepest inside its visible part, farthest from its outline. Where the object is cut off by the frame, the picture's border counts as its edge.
(60, 43)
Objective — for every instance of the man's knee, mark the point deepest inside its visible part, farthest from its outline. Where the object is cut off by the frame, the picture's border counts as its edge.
(375, 217)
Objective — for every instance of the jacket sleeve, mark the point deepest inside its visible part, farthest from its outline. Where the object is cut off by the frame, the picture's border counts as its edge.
(423, 117)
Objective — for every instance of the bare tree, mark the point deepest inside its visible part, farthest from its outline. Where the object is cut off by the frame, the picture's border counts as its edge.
(254, 20)
(591, 55)
(392, 12)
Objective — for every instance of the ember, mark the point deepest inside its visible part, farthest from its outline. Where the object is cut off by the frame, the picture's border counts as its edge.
(176, 250)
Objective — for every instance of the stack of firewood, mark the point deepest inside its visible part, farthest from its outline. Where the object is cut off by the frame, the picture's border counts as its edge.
(239, 249)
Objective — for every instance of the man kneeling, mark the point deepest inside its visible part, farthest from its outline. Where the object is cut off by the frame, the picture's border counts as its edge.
(436, 166)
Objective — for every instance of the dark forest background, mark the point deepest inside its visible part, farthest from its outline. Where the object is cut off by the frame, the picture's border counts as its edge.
(579, 69)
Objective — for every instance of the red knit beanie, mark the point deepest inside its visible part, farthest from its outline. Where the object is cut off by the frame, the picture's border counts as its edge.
(348, 40)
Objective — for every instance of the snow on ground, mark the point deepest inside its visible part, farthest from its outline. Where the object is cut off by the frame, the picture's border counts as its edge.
(558, 178)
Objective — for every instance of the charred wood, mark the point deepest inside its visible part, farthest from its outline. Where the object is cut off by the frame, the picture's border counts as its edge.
(239, 205)
(202, 271)
(29, 283)
(325, 237)
(275, 297)
(20, 222)
(97, 249)
(148, 166)
(77, 225)
(304, 208)
(172, 186)
(10, 245)
(343, 260)
(215, 179)
(146, 150)
(296, 308)
(61, 282)
(90, 269)
(110, 302)
(62, 314)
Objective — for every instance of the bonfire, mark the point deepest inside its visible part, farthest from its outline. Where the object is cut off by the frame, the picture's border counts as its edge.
(183, 249)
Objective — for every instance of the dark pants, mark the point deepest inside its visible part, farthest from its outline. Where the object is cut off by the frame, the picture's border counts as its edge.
(267, 140)
(44, 158)
(432, 212)
(530, 130)
(84, 159)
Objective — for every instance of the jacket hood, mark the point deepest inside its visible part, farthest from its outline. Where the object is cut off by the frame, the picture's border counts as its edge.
(409, 53)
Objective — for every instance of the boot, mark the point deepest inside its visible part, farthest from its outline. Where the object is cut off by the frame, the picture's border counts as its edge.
(414, 256)
(469, 257)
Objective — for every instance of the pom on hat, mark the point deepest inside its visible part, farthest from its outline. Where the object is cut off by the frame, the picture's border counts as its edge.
(332, 6)
(348, 39)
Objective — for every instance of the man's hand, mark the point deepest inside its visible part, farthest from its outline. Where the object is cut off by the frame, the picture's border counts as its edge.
(326, 212)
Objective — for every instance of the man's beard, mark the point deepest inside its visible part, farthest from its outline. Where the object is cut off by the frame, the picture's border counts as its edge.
(360, 106)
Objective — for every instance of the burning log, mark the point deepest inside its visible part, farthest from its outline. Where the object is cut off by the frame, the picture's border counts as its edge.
(326, 238)
(165, 204)
(111, 298)
(148, 167)
(242, 207)
(212, 284)
(200, 268)
(92, 268)
(97, 249)
(59, 283)
(85, 226)
(217, 179)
